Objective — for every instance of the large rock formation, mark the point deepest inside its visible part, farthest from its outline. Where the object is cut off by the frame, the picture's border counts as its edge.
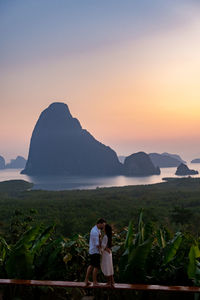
(164, 160)
(2, 163)
(18, 163)
(183, 170)
(195, 161)
(139, 164)
(59, 145)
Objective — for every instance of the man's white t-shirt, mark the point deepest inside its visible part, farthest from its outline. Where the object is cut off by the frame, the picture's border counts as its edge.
(94, 240)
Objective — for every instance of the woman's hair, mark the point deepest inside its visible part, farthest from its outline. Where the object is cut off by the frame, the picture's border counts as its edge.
(108, 231)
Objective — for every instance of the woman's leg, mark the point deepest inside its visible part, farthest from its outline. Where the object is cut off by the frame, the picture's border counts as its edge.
(112, 280)
(108, 280)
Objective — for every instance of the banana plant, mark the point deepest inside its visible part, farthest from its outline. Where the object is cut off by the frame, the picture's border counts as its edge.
(4, 251)
(20, 261)
(193, 269)
(171, 248)
(149, 254)
(137, 248)
(75, 256)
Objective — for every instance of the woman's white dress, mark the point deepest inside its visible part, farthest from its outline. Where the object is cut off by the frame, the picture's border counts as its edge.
(106, 258)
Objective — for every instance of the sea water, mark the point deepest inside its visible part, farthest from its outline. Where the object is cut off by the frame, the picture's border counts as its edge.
(54, 183)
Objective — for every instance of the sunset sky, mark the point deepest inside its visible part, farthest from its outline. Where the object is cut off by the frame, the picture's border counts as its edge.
(129, 71)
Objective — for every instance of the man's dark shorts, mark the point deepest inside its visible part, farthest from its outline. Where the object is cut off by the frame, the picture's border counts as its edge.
(95, 260)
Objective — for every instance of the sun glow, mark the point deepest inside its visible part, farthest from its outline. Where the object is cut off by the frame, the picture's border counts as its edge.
(144, 88)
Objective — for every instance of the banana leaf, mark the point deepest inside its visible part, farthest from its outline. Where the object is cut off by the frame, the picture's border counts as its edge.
(140, 234)
(41, 239)
(135, 269)
(20, 263)
(129, 236)
(140, 223)
(193, 269)
(4, 250)
(47, 264)
(172, 248)
(139, 254)
(160, 239)
(54, 254)
(28, 237)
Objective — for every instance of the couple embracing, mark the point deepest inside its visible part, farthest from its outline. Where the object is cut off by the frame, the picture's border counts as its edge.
(100, 253)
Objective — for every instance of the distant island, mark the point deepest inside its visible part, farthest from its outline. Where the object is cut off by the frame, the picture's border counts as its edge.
(2, 163)
(183, 170)
(176, 156)
(139, 164)
(195, 161)
(17, 163)
(165, 160)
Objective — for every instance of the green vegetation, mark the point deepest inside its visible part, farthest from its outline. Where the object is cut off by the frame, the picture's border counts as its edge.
(146, 253)
(44, 235)
(175, 204)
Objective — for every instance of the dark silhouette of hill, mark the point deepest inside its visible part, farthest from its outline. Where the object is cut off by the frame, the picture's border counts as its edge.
(2, 163)
(139, 164)
(13, 187)
(164, 161)
(183, 170)
(196, 161)
(18, 163)
(176, 156)
(59, 145)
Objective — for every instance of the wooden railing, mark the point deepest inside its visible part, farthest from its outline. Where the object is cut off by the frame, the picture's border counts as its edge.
(117, 286)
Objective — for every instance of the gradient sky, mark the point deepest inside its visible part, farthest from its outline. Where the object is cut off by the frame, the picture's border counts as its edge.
(129, 71)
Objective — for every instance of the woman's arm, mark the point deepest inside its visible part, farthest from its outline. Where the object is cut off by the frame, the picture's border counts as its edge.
(104, 243)
(108, 250)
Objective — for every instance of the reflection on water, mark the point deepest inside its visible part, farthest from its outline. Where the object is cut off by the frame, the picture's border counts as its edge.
(55, 183)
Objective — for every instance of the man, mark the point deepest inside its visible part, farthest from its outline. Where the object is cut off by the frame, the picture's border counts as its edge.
(94, 251)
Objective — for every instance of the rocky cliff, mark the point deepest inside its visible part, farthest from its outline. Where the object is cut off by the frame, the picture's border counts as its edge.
(139, 164)
(183, 170)
(59, 145)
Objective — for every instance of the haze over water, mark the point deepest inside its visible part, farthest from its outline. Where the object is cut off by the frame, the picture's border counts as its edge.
(88, 182)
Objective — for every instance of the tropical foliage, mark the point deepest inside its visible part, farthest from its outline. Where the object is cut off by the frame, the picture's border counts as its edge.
(159, 247)
(145, 253)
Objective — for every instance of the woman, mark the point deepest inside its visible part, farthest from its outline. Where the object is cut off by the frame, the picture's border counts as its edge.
(106, 259)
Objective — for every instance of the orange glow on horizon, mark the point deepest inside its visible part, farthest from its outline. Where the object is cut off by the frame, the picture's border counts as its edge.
(146, 89)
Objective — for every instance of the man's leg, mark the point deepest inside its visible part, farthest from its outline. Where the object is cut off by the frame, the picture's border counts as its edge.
(94, 276)
(89, 270)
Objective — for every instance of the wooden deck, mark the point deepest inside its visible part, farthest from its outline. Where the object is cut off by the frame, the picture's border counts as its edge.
(117, 286)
